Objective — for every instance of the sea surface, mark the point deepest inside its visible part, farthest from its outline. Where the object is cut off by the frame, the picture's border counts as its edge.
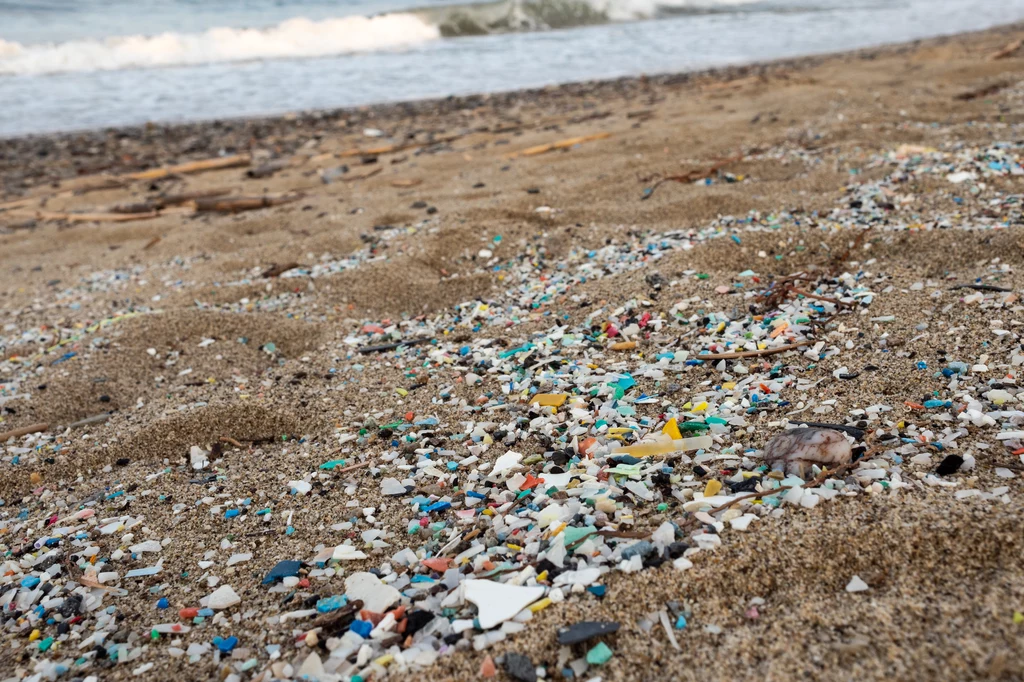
(79, 64)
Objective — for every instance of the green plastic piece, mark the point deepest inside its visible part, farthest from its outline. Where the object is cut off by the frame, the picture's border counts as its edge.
(599, 655)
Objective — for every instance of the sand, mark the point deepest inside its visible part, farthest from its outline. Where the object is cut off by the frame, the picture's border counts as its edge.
(945, 575)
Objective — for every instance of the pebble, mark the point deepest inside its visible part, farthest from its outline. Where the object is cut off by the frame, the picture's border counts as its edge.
(520, 667)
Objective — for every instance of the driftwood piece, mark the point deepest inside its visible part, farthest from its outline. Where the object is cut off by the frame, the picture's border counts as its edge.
(561, 144)
(276, 270)
(984, 91)
(166, 200)
(23, 431)
(692, 176)
(1008, 50)
(752, 353)
(391, 148)
(267, 169)
(215, 163)
(87, 217)
(238, 204)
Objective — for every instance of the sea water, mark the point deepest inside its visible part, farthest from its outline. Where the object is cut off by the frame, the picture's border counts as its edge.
(76, 64)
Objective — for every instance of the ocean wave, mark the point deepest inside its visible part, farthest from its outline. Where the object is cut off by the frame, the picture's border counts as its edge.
(301, 37)
(292, 38)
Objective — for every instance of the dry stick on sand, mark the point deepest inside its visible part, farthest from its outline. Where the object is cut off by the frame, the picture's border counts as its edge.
(86, 217)
(766, 493)
(276, 270)
(561, 144)
(390, 148)
(354, 467)
(90, 183)
(984, 91)
(231, 441)
(163, 201)
(692, 176)
(1007, 51)
(237, 204)
(753, 353)
(23, 431)
(216, 163)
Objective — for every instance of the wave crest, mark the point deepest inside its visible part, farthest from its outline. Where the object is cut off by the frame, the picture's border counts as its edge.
(301, 37)
(298, 37)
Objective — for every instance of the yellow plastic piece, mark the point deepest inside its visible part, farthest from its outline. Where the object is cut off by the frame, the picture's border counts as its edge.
(550, 399)
(540, 605)
(617, 432)
(712, 488)
(665, 445)
(385, 659)
(672, 429)
(701, 406)
(729, 385)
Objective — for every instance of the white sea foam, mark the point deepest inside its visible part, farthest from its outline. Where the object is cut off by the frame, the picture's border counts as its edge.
(629, 10)
(297, 37)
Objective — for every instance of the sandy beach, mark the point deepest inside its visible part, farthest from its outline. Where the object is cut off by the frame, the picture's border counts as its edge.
(219, 287)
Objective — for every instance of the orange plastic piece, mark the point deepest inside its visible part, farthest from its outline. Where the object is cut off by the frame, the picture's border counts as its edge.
(371, 616)
(436, 564)
(530, 482)
(487, 669)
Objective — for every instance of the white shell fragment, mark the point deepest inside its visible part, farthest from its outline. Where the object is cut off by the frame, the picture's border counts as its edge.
(857, 585)
(222, 598)
(796, 450)
(497, 602)
(375, 595)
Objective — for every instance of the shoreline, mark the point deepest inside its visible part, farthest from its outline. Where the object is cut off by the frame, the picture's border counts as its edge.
(390, 112)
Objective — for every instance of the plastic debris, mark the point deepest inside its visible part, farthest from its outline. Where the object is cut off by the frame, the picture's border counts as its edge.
(581, 632)
(375, 595)
(223, 598)
(599, 655)
(856, 585)
(497, 602)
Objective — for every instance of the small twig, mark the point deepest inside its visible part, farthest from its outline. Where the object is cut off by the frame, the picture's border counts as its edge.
(834, 301)
(692, 176)
(95, 419)
(354, 467)
(754, 353)
(231, 441)
(841, 260)
(23, 431)
(1007, 51)
(825, 475)
(392, 346)
(276, 270)
(981, 287)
